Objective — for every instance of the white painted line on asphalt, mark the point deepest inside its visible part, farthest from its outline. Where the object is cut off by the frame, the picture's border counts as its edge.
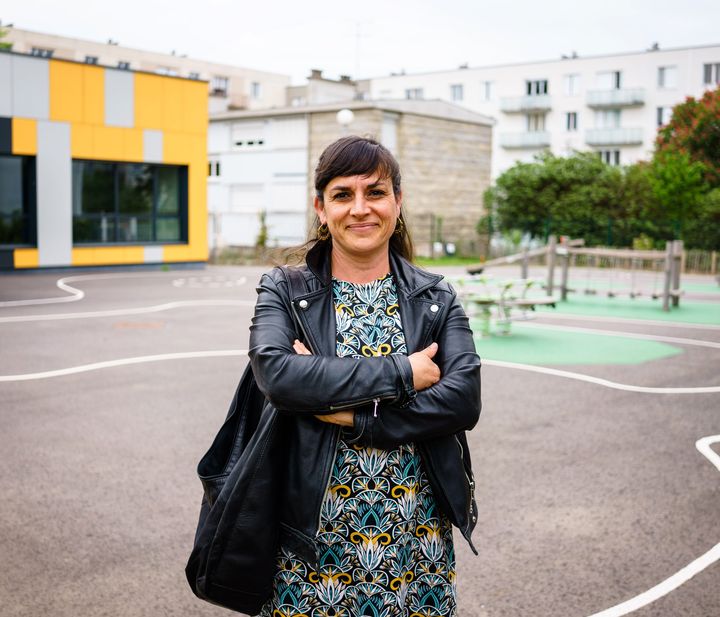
(127, 311)
(682, 576)
(649, 337)
(78, 294)
(647, 322)
(602, 382)
(95, 366)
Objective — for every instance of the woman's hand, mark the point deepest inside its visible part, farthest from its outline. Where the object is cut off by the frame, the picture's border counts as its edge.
(343, 418)
(425, 371)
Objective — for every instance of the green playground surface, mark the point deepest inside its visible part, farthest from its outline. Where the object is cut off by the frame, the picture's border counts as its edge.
(625, 307)
(545, 346)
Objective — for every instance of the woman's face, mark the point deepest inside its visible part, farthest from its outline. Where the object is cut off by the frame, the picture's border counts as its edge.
(360, 212)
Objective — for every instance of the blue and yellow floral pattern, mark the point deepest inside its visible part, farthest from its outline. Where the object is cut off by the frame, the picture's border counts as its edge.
(385, 549)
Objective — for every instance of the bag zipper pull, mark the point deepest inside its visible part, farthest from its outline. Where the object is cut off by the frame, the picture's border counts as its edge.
(376, 401)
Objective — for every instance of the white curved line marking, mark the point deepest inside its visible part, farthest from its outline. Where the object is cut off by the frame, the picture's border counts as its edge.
(637, 335)
(95, 366)
(128, 311)
(602, 382)
(78, 294)
(645, 322)
(682, 576)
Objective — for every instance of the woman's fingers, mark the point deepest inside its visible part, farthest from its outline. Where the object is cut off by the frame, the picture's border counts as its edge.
(300, 348)
(343, 418)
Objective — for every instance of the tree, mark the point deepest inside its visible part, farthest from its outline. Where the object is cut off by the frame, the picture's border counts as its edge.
(4, 45)
(694, 129)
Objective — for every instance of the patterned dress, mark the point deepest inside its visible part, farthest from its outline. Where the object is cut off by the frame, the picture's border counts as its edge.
(385, 549)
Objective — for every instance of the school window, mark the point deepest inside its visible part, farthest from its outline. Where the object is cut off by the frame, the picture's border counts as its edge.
(41, 52)
(611, 157)
(607, 119)
(194, 75)
(663, 115)
(667, 76)
(255, 90)
(711, 74)
(91, 59)
(219, 85)
(124, 65)
(571, 121)
(486, 90)
(536, 87)
(414, 93)
(571, 84)
(456, 92)
(535, 122)
(17, 200)
(609, 80)
(115, 203)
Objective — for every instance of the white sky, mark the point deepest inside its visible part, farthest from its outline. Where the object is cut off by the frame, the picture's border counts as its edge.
(291, 37)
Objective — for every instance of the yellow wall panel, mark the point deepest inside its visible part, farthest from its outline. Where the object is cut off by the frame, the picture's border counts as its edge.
(109, 143)
(81, 141)
(173, 105)
(24, 136)
(66, 88)
(102, 255)
(133, 144)
(195, 107)
(93, 95)
(26, 258)
(150, 101)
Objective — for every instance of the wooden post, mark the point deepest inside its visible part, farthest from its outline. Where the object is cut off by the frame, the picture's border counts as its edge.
(668, 275)
(679, 259)
(552, 244)
(524, 264)
(713, 262)
(565, 274)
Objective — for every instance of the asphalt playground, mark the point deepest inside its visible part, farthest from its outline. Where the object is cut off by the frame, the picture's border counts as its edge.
(597, 454)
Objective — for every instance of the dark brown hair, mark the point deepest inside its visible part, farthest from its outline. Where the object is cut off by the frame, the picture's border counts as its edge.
(362, 156)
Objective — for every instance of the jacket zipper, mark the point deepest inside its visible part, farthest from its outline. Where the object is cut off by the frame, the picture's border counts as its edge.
(471, 481)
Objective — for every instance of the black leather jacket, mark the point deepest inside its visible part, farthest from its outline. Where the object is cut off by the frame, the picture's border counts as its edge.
(388, 411)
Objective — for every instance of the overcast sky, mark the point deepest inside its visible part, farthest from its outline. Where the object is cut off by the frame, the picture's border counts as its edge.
(369, 38)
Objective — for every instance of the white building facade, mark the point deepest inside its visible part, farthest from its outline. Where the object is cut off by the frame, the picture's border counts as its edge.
(611, 104)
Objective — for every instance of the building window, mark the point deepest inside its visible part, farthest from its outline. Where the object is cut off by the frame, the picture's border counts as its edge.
(571, 84)
(486, 90)
(607, 118)
(536, 87)
(91, 59)
(456, 92)
(128, 202)
(166, 70)
(213, 168)
(194, 75)
(611, 157)
(711, 74)
(17, 200)
(667, 76)
(219, 85)
(41, 52)
(609, 80)
(414, 93)
(535, 123)
(255, 90)
(663, 115)
(571, 121)
(124, 65)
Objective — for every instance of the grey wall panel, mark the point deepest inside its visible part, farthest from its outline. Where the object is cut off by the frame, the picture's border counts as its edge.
(152, 146)
(54, 194)
(30, 87)
(119, 98)
(5, 85)
(153, 254)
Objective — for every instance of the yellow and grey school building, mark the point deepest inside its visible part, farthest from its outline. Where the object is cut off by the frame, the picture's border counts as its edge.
(100, 166)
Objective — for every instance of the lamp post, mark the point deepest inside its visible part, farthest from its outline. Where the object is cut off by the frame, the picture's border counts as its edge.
(344, 118)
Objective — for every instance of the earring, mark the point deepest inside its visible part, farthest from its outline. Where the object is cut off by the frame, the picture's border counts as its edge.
(399, 227)
(323, 233)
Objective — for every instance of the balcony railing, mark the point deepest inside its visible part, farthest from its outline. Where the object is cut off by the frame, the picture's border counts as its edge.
(614, 137)
(528, 139)
(625, 97)
(520, 104)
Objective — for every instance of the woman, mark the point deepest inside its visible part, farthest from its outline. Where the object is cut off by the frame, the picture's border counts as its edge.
(377, 398)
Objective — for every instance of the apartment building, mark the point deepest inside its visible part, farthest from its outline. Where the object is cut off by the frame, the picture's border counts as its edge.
(611, 104)
(230, 87)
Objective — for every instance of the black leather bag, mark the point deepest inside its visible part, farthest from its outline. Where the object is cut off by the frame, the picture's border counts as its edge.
(232, 563)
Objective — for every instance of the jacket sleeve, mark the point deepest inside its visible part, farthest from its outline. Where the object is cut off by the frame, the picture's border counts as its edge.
(315, 384)
(451, 405)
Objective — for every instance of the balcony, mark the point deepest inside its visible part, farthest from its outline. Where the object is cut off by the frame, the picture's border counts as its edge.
(528, 139)
(521, 104)
(614, 137)
(625, 97)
